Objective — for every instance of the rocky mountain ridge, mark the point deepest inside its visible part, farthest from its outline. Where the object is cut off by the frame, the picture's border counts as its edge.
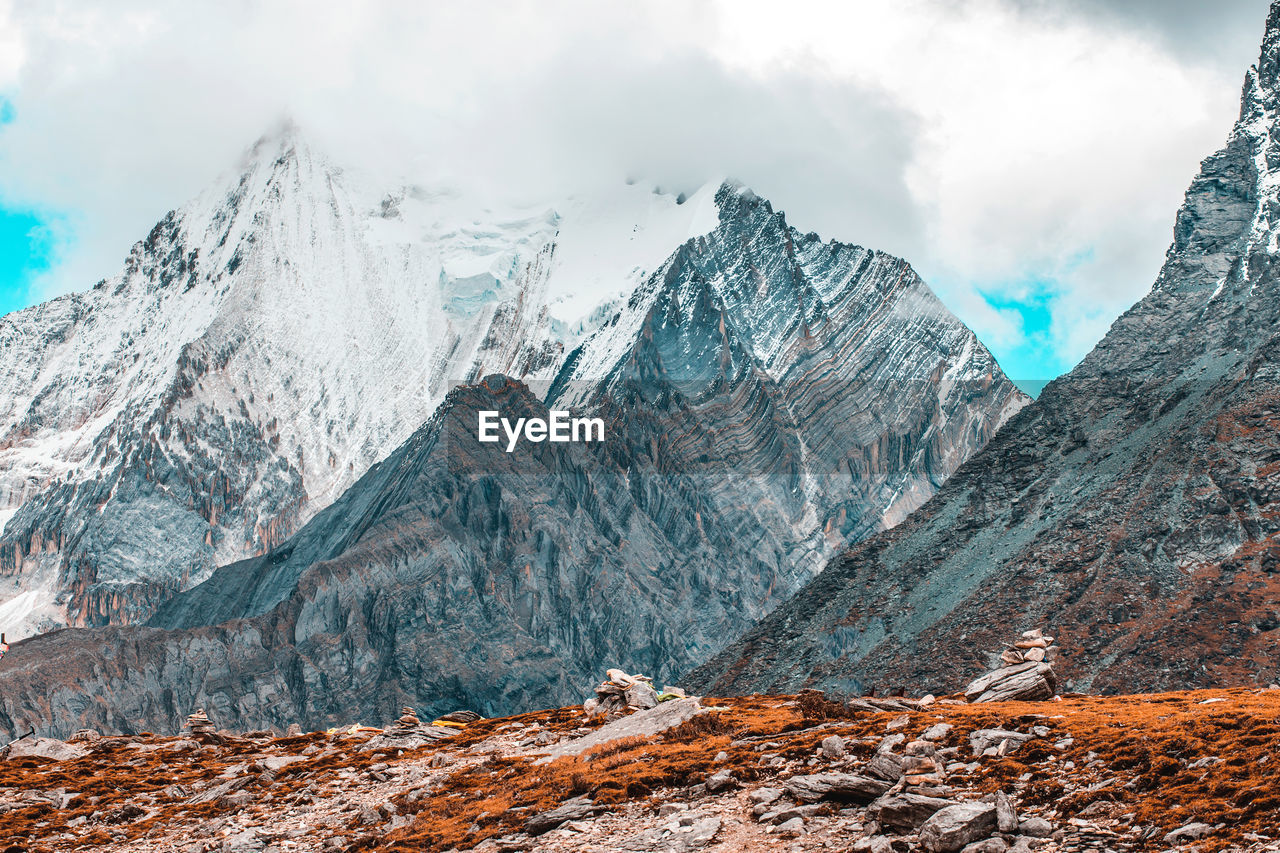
(1135, 504)
(741, 449)
(263, 346)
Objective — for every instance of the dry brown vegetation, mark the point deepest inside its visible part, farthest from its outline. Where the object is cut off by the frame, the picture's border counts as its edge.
(1132, 755)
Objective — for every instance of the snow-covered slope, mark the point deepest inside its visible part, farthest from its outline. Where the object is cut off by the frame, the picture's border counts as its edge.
(874, 391)
(262, 347)
(767, 397)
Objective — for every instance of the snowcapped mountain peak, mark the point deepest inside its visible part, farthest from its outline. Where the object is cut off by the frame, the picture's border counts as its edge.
(732, 189)
(606, 243)
(261, 347)
(269, 341)
(773, 295)
(274, 142)
(768, 398)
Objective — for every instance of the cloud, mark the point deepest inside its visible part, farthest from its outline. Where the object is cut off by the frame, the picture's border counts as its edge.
(992, 142)
(121, 117)
(12, 55)
(1055, 144)
(1220, 32)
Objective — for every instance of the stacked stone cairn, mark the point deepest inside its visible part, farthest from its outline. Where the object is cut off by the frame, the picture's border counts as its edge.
(1033, 645)
(200, 724)
(409, 732)
(407, 725)
(621, 693)
(1026, 673)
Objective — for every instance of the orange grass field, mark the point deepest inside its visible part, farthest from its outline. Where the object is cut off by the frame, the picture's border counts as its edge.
(1142, 743)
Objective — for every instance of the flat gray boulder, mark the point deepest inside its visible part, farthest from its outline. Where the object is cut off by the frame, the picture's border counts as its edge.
(1188, 833)
(957, 826)
(575, 809)
(1026, 682)
(641, 695)
(1035, 827)
(701, 833)
(1003, 741)
(885, 765)
(46, 747)
(906, 812)
(645, 723)
(835, 786)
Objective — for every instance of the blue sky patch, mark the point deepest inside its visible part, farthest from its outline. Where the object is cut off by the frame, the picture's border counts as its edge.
(1034, 359)
(27, 247)
(29, 243)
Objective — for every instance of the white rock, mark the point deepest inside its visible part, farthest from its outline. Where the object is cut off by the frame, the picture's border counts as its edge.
(46, 747)
(833, 747)
(792, 827)
(1188, 832)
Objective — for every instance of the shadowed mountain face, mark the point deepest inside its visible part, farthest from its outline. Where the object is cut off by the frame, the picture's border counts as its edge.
(262, 347)
(766, 398)
(1134, 507)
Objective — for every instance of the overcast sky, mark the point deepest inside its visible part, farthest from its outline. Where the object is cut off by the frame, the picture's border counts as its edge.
(1026, 156)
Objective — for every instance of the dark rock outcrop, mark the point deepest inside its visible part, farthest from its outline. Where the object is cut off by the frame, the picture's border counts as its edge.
(1135, 505)
(905, 812)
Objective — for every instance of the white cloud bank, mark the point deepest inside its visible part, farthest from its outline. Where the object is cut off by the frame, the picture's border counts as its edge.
(993, 143)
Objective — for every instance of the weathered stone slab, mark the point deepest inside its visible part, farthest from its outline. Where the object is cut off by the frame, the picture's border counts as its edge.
(906, 812)
(835, 786)
(653, 721)
(885, 765)
(1026, 682)
(46, 747)
(574, 809)
(956, 826)
(984, 739)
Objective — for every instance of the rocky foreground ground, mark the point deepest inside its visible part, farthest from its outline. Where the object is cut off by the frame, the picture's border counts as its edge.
(1192, 770)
